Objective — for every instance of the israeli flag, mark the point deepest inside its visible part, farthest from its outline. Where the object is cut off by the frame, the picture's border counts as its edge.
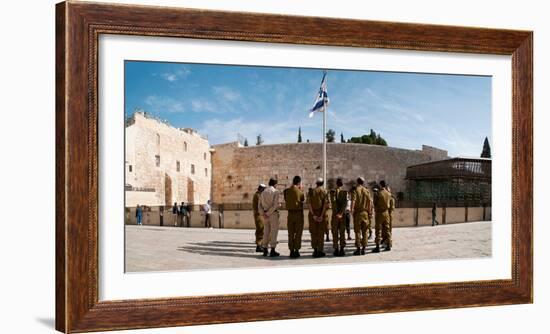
(321, 101)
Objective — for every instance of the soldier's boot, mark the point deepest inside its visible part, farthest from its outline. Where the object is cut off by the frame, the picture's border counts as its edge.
(321, 253)
(265, 251)
(342, 251)
(315, 253)
(259, 249)
(297, 253)
(349, 237)
(363, 251)
(273, 253)
(388, 248)
(377, 249)
(327, 239)
(336, 252)
(357, 251)
(292, 254)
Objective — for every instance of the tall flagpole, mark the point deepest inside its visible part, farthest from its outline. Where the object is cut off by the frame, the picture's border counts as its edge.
(325, 135)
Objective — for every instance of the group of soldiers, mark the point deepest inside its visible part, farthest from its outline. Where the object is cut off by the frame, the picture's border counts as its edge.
(361, 204)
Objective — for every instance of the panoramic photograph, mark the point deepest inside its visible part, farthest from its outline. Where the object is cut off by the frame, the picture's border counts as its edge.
(233, 166)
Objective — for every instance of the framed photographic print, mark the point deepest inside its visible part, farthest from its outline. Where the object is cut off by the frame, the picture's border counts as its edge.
(257, 167)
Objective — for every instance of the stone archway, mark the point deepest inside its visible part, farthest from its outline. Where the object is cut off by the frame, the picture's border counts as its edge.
(167, 190)
(190, 190)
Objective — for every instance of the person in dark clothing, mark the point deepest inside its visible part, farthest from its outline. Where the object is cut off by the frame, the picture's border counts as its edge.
(175, 213)
(139, 214)
(434, 220)
(183, 214)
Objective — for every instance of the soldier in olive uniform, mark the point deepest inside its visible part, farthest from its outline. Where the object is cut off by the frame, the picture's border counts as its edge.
(258, 218)
(338, 200)
(361, 210)
(318, 204)
(391, 208)
(382, 219)
(294, 200)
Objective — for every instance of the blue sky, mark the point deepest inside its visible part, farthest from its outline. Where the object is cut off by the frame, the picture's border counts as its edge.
(408, 109)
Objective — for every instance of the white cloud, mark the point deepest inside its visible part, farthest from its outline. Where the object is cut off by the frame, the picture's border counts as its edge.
(226, 93)
(173, 76)
(202, 105)
(157, 104)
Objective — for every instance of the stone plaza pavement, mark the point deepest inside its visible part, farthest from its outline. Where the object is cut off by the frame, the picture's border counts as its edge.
(153, 248)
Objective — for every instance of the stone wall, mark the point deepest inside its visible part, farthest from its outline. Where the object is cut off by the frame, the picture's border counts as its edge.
(149, 140)
(243, 219)
(238, 170)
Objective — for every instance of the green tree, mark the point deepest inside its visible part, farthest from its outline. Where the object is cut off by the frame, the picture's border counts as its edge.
(299, 134)
(486, 152)
(246, 142)
(259, 140)
(342, 137)
(371, 139)
(331, 136)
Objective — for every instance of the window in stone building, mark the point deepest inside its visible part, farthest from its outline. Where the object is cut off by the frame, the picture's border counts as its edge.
(177, 166)
(206, 172)
(204, 155)
(157, 160)
(130, 168)
(192, 169)
(158, 139)
(185, 146)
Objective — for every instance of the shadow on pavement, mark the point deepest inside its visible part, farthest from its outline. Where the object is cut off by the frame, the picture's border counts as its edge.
(247, 249)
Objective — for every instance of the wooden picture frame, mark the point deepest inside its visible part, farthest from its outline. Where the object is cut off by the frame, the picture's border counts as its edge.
(78, 27)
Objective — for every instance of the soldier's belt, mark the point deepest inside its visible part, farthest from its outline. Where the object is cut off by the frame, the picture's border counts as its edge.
(295, 210)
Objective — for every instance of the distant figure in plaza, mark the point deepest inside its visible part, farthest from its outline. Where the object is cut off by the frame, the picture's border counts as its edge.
(161, 215)
(382, 217)
(318, 204)
(294, 200)
(258, 218)
(183, 214)
(269, 208)
(207, 207)
(338, 200)
(361, 210)
(348, 214)
(434, 214)
(175, 214)
(139, 214)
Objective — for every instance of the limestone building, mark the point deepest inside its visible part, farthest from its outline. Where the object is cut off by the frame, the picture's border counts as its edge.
(164, 164)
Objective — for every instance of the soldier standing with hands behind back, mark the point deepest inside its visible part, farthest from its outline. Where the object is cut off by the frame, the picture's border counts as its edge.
(361, 210)
(294, 201)
(382, 220)
(318, 204)
(338, 200)
(258, 218)
(269, 208)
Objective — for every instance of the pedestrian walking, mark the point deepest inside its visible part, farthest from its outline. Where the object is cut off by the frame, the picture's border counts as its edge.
(183, 214)
(207, 208)
(434, 214)
(139, 214)
(175, 211)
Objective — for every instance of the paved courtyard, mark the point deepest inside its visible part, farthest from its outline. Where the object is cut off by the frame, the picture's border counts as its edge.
(154, 248)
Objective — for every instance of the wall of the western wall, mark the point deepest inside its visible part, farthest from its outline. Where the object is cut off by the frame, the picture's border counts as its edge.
(238, 170)
(148, 138)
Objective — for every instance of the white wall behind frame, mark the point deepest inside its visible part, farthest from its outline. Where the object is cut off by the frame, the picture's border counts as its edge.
(27, 133)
